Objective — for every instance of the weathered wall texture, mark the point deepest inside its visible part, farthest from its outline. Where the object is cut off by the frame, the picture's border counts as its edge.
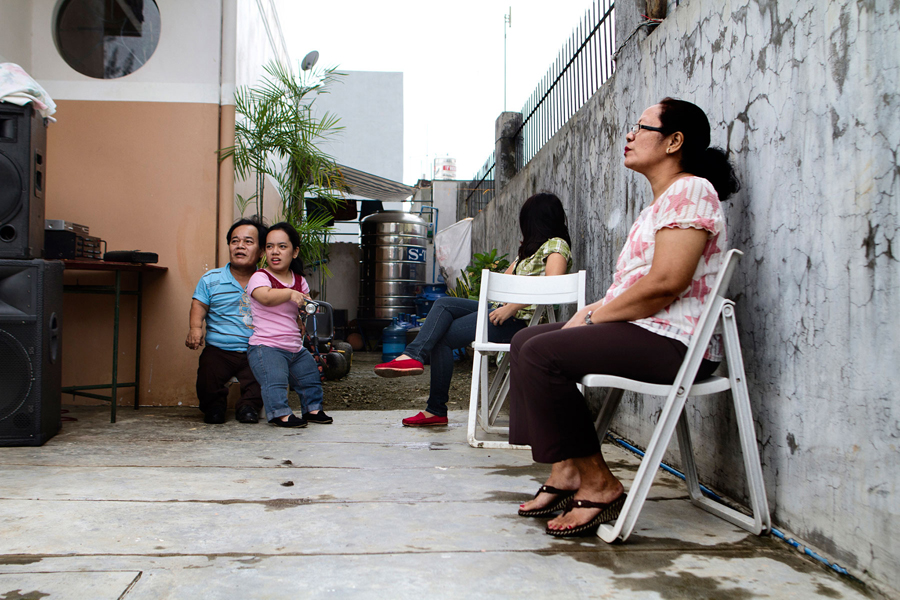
(805, 96)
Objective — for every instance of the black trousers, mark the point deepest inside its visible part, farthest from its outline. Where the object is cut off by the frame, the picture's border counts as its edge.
(216, 368)
(547, 411)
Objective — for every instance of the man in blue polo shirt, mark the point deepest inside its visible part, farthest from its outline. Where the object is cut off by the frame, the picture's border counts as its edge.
(218, 301)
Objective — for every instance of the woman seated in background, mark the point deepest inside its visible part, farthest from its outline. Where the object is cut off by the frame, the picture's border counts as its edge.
(641, 328)
(451, 321)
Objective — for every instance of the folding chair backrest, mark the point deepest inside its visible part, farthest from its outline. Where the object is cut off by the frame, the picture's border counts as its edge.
(706, 325)
(714, 299)
(531, 289)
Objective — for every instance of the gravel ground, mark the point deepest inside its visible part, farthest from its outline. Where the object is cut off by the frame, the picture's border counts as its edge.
(361, 389)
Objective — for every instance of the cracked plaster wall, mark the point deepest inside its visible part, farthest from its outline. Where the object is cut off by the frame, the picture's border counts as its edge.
(805, 97)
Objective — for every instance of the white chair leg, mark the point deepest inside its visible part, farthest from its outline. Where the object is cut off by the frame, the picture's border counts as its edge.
(497, 383)
(478, 396)
(483, 391)
(640, 488)
(498, 401)
(473, 400)
(752, 465)
(760, 521)
(608, 411)
(497, 396)
(687, 460)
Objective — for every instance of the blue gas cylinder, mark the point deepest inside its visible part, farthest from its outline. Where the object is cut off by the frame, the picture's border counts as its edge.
(393, 341)
(427, 297)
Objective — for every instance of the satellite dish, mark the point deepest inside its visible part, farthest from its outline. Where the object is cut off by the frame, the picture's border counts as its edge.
(309, 60)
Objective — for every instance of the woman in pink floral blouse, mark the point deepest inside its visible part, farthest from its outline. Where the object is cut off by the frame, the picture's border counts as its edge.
(642, 326)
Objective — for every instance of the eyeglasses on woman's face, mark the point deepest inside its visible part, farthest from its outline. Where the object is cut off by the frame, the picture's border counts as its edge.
(638, 126)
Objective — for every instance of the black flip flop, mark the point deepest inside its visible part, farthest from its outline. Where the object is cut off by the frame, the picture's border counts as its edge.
(564, 496)
(608, 512)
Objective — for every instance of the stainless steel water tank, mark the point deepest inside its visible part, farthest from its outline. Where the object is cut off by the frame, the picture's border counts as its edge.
(393, 263)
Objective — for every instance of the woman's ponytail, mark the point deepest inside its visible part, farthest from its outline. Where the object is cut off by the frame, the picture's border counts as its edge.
(697, 157)
(713, 165)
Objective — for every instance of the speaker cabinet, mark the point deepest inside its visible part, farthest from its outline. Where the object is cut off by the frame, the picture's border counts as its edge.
(23, 149)
(30, 346)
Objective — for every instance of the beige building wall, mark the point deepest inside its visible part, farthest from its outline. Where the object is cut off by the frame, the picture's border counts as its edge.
(141, 175)
(135, 160)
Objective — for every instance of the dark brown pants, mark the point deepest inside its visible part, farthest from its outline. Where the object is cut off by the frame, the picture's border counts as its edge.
(216, 368)
(547, 411)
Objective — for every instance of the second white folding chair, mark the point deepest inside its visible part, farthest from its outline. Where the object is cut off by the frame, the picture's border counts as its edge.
(487, 397)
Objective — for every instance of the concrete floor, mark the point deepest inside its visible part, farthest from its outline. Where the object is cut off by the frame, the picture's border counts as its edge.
(160, 505)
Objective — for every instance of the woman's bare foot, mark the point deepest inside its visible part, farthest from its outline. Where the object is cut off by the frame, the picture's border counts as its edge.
(598, 484)
(580, 516)
(563, 476)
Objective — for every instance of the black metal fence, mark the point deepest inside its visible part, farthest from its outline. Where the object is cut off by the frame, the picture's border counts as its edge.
(473, 196)
(583, 64)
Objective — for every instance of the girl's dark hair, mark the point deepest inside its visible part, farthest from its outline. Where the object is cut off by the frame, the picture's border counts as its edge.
(294, 237)
(542, 217)
(697, 157)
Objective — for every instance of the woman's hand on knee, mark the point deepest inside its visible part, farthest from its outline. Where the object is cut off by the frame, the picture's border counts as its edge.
(498, 316)
(577, 319)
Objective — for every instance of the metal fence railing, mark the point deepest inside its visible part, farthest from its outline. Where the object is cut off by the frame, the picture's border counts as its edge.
(583, 64)
(474, 196)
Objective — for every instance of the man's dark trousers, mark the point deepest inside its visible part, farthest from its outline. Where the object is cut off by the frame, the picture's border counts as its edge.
(216, 368)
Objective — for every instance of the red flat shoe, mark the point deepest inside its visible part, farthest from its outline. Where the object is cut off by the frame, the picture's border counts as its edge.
(420, 420)
(399, 368)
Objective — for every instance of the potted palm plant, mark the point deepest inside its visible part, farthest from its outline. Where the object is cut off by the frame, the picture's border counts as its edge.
(278, 136)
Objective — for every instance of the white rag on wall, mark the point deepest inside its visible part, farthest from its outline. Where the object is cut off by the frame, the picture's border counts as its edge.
(17, 87)
(453, 248)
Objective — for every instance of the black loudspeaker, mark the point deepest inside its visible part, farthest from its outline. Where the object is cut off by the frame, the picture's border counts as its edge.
(30, 346)
(23, 149)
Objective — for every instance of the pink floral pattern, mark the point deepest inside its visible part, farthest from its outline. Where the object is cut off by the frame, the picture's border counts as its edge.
(689, 202)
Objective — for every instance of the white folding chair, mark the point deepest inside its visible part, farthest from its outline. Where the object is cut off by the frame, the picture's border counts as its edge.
(717, 308)
(487, 397)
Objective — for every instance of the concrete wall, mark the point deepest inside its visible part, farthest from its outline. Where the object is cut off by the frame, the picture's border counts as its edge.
(15, 33)
(805, 97)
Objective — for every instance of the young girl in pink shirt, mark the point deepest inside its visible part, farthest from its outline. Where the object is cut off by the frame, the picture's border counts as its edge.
(276, 354)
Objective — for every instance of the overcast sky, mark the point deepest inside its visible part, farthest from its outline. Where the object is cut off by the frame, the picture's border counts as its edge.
(451, 57)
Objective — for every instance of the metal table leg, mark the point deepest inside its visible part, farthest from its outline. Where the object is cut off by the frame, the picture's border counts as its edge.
(137, 348)
(115, 365)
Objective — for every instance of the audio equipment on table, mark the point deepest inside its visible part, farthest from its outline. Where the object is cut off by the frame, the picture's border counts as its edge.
(61, 225)
(30, 362)
(23, 145)
(131, 256)
(69, 244)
